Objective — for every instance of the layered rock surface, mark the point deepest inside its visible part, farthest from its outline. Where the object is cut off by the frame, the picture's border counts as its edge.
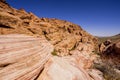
(63, 69)
(67, 68)
(22, 57)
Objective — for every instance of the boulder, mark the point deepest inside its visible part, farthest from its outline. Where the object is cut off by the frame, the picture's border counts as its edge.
(107, 42)
(117, 47)
(101, 47)
(66, 68)
(62, 69)
(112, 53)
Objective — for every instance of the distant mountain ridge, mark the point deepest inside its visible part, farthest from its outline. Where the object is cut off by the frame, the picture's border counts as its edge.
(112, 38)
(118, 34)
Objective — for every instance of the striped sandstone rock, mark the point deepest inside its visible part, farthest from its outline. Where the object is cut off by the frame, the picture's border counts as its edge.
(22, 57)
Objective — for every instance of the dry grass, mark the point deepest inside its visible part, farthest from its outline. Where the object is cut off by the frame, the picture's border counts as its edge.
(109, 71)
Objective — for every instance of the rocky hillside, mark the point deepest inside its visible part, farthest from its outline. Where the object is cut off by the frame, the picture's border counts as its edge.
(65, 36)
(33, 48)
(28, 58)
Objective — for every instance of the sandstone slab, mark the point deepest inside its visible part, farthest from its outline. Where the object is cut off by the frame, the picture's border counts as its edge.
(22, 57)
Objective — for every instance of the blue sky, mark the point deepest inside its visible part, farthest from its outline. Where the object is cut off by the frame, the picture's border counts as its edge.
(98, 17)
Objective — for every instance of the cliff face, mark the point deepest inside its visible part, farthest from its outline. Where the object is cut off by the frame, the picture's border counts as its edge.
(75, 46)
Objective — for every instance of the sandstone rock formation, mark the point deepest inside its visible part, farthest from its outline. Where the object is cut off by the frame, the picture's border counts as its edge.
(67, 68)
(22, 57)
(65, 36)
(63, 69)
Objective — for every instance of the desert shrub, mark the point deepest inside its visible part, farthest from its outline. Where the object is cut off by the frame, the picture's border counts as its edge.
(108, 70)
(54, 53)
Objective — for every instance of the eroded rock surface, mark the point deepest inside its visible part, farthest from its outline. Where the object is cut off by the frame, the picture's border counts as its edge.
(62, 69)
(65, 36)
(65, 68)
(22, 57)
